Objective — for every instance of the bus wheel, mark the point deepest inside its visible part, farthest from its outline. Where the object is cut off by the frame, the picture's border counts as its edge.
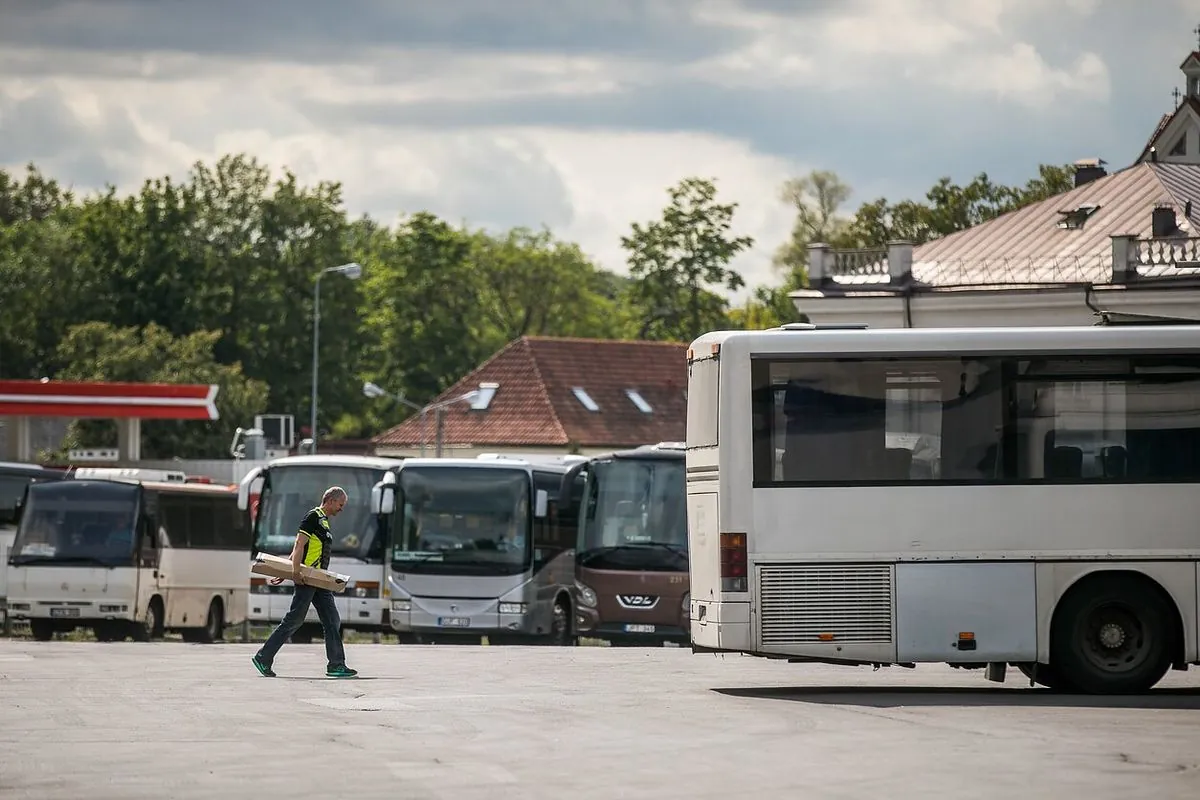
(41, 629)
(214, 624)
(1046, 675)
(560, 624)
(151, 627)
(1112, 634)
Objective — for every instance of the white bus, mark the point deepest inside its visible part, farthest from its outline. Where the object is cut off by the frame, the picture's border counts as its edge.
(278, 496)
(126, 555)
(14, 477)
(479, 547)
(978, 497)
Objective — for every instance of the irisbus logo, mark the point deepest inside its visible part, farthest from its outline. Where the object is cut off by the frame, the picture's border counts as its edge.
(637, 600)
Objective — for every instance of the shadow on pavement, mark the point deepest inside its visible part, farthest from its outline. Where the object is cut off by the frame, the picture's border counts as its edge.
(899, 696)
(343, 680)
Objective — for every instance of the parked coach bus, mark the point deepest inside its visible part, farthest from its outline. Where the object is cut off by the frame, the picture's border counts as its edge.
(479, 548)
(980, 497)
(279, 495)
(631, 560)
(127, 553)
(14, 477)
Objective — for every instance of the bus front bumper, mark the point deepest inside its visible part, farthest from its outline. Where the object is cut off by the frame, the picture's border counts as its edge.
(68, 611)
(465, 617)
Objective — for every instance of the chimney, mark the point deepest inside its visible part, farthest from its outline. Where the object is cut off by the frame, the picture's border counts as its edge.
(1088, 170)
(1163, 222)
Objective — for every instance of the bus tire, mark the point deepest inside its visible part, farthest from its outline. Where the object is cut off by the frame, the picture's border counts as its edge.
(1113, 634)
(560, 623)
(214, 623)
(151, 627)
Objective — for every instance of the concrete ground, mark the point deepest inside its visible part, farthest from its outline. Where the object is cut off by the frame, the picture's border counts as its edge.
(83, 720)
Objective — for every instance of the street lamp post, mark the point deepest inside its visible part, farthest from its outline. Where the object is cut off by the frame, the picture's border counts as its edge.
(353, 271)
(372, 390)
(439, 410)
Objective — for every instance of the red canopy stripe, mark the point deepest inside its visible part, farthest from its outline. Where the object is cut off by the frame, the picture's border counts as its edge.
(108, 400)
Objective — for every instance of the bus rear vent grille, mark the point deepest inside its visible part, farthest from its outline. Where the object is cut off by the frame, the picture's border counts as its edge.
(837, 603)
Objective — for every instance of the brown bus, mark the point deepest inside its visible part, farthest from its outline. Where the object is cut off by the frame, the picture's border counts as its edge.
(631, 558)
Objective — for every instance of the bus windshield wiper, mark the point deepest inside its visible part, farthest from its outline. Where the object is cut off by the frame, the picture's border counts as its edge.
(594, 552)
(22, 560)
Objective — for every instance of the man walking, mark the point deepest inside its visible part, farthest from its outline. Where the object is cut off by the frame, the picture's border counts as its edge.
(312, 548)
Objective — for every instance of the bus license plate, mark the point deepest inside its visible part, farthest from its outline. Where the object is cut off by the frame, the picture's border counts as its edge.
(636, 628)
(64, 612)
(454, 622)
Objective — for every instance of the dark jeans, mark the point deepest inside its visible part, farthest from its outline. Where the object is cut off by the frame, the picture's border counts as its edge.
(330, 622)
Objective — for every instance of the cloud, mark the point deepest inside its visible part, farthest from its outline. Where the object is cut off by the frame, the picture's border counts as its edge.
(576, 114)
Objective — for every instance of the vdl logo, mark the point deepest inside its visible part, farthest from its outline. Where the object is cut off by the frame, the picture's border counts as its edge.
(637, 600)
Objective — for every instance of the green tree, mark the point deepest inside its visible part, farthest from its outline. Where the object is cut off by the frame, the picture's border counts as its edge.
(816, 199)
(422, 317)
(948, 208)
(536, 285)
(36, 253)
(98, 351)
(674, 260)
(767, 307)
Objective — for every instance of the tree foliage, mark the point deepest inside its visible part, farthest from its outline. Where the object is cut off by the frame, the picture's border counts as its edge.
(100, 351)
(676, 259)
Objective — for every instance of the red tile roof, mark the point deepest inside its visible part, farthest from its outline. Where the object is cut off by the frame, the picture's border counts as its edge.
(535, 404)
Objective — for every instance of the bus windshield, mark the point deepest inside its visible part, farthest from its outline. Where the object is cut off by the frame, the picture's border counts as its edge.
(460, 520)
(78, 522)
(634, 516)
(291, 491)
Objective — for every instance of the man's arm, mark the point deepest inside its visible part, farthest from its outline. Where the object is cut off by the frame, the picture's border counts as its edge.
(298, 557)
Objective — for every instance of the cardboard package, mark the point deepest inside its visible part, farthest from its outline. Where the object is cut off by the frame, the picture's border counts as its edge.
(277, 567)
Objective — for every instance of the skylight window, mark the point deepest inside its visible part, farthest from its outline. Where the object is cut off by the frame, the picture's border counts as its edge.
(585, 399)
(487, 390)
(1076, 217)
(639, 401)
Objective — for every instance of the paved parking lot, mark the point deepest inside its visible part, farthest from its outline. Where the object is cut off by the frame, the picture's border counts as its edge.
(168, 720)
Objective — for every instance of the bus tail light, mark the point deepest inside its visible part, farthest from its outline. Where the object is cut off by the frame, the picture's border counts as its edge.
(733, 562)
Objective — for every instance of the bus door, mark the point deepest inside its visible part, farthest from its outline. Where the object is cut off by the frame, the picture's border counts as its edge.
(149, 581)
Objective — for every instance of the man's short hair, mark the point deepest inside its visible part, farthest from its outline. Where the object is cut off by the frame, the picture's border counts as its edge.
(333, 493)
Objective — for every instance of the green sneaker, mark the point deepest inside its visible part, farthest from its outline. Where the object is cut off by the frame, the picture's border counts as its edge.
(263, 669)
(341, 672)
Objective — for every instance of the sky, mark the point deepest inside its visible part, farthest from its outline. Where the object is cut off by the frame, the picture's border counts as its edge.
(578, 115)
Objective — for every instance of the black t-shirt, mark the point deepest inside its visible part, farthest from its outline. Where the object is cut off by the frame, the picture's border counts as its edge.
(320, 539)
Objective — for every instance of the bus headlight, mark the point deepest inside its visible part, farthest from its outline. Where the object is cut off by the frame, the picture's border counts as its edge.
(512, 608)
(685, 607)
(587, 597)
(401, 606)
(366, 589)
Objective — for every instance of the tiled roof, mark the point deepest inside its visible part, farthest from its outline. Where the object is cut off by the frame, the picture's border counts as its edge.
(535, 404)
(1027, 247)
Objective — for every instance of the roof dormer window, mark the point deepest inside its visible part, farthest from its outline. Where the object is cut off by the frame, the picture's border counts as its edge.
(1076, 217)
(639, 401)
(585, 399)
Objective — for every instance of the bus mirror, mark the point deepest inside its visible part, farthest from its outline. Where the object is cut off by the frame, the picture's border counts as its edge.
(250, 484)
(541, 503)
(383, 498)
(566, 489)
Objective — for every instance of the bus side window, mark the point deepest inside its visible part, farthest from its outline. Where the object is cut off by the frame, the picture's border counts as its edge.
(148, 543)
